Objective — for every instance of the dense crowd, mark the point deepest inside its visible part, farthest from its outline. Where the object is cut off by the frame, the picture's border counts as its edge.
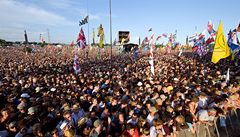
(40, 95)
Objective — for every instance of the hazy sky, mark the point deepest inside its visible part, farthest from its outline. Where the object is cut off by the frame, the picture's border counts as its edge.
(62, 17)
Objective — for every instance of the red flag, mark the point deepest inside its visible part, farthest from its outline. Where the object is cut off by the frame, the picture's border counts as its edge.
(159, 37)
(209, 40)
(171, 38)
(81, 41)
(238, 28)
(72, 44)
(151, 39)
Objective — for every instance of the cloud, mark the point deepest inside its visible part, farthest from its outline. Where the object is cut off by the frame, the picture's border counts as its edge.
(16, 17)
(13, 11)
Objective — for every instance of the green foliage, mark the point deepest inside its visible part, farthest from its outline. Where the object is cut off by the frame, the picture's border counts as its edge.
(2, 42)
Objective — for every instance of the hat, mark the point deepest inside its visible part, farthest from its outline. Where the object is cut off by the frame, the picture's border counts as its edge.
(153, 109)
(175, 79)
(97, 123)
(25, 95)
(21, 106)
(31, 110)
(37, 89)
(139, 83)
(53, 89)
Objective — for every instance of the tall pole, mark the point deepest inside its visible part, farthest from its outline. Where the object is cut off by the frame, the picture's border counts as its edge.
(110, 6)
(88, 22)
(48, 36)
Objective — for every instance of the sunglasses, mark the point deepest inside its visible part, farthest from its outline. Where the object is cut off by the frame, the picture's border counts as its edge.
(55, 132)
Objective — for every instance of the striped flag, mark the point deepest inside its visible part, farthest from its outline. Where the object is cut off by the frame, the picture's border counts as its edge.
(81, 41)
(76, 65)
(210, 29)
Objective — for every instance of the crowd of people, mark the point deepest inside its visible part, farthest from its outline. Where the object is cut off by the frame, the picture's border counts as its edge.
(40, 95)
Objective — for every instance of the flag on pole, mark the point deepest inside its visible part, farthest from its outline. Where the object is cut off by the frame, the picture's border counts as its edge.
(84, 21)
(238, 28)
(210, 29)
(171, 38)
(151, 40)
(123, 40)
(101, 35)
(128, 38)
(72, 43)
(158, 37)
(81, 41)
(164, 35)
(93, 37)
(221, 49)
(76, 65)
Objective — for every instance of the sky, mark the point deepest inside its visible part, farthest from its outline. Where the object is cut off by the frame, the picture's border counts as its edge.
(61, 18)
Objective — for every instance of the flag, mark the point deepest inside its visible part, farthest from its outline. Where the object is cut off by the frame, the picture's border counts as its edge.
(174, 37)
(41, 38)
(158, 37)
(171, 38)
(151, 40)
(72, 43)
(210, 29)
(76, 65)
(93, 37)
(81, 41)
(209, 41)
(227, 76)
(122, 41)
(101, 35)
(164, 35)
(238, 28)
(150, 29)
(144, 40)
(194, 48)
(128, 38)
(180, 53)
(84, 21)
(135, 54)
(221, 49)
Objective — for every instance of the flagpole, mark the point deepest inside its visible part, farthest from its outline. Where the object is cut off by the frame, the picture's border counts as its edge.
(88, 26)
(110, 12)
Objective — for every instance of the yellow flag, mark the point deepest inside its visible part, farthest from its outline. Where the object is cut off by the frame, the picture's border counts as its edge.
(101, 35)
(221, 49)
(123, 40)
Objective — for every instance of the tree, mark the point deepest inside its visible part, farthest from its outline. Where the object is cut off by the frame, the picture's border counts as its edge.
(2, 42)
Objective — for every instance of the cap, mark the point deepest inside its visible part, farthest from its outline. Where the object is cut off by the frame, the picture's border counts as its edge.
(153, 109)
(25, 95)
(31, 110)
(21, 106)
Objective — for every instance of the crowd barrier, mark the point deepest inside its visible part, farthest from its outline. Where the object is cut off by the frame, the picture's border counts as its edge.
(224, 126)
